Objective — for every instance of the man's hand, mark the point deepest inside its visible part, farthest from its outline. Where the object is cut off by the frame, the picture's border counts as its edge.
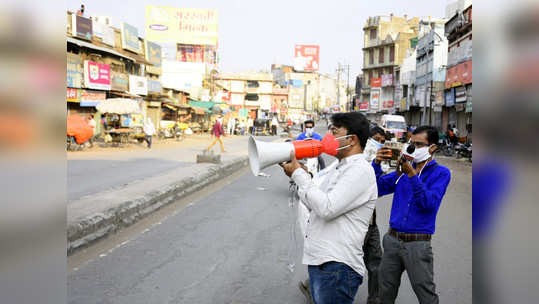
(292, 165)
(408, 169)
(382, 154)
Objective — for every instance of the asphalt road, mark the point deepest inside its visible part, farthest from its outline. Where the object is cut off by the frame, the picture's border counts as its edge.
(90, 172)
(233, 244)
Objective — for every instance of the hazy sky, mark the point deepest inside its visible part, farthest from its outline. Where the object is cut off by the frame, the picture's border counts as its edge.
(253, 34)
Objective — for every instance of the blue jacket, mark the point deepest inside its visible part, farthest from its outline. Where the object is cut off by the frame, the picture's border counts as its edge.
(416, 200)
(303, 136)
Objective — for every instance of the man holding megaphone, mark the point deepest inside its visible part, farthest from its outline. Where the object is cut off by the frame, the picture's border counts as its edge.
(340, 210)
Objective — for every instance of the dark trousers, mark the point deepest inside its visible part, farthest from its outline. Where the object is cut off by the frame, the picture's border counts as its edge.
(372, 257)
(148, 139)
(333, 282)
(273, 130)
(414, 257)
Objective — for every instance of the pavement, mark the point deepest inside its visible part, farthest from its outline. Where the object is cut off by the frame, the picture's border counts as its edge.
(112, 188)
(235, 242)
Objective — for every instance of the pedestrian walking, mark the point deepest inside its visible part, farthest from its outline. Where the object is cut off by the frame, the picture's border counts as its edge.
(340, 209)
(274, 125)
(149, 131)
(417, 190)
(250, 125)
(231, 125)
(217, 131)
(93, 125)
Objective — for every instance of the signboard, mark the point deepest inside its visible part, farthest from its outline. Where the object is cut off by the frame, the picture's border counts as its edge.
(450, 98)
(96, 75)
(460, 94)
(387, 80)
(105, 32)
(190, 53)
(404, 105)
(376, 82)
(81, 27)
(181, 25)
(387, 104)
(138, 85)
(306, 57)
(73, 95)
(91, 98)
(375, 100)
(364, 106)
(459, 74)
(130, 38)
(74, 71)
(153, 53)
(154, 86)
(119, 82)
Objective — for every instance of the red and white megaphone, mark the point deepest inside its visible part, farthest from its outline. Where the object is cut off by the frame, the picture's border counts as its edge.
(264, 154)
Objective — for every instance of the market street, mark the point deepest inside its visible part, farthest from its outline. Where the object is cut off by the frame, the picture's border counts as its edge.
(232, 244)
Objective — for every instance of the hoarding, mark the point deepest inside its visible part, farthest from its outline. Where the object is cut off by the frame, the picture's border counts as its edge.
(138, 85)
(387, 80)
(364, 106)
(74, 71)
(376, 82)
(181, 25)
(306, 57)
(153, 53)
(459, 75)
(105, 32)
(91, 98)
(154, 86)
(96, 75)
(119, 82)
(375, 100)
(73, 95)
(130, 38)
(450, 97)
(81, 27)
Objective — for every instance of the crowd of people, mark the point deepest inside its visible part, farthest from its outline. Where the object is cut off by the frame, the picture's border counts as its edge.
(342, 242)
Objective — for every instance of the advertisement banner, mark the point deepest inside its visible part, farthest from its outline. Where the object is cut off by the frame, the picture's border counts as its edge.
(181, 25)
(91, 98)
(105, 32)
(387, 104)
(138, 85)
(404, 105)
(375, 100)
(130, 38)
(119, 82)
(73, 95)
(153, 53)
(154, 86)
(459, 75)
(74, 71)
(376, 82)
(364, 106)
(191, 53)
(450, 97)
(81, 27)
(96, 75)
(306, 57)
(387, 80)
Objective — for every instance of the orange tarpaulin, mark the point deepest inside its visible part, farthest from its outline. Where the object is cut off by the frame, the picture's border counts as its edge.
(79, 128)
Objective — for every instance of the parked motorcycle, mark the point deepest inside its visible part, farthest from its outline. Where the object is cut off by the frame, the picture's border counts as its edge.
(446, 147)
(464, 150)
(171, 132)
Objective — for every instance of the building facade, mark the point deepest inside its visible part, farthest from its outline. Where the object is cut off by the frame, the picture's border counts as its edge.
(386, 41)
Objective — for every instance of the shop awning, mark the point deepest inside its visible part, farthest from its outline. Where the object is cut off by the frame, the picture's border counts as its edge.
(202, 104)
(199, 111)
(95, 47)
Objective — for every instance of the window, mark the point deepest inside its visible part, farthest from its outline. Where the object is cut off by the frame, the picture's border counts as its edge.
(371, 56)
(251, 97)
(373, 34)
(392, 53)
(381, 55)
(252, 84)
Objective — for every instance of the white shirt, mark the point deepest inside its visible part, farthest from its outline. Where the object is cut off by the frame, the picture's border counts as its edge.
(340, 210)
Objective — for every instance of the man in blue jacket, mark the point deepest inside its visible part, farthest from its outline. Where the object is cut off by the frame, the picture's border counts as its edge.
(309, 131)
(418, 190)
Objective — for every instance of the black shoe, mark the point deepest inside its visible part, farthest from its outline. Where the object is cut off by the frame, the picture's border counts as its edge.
(305, 290)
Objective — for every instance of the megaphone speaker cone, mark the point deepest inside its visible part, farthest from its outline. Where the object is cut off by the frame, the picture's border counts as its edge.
(264, 154)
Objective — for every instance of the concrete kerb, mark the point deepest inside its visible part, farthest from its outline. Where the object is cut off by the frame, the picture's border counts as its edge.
(86, 230)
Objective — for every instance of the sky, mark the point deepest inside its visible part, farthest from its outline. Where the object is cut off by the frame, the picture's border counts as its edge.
(253, 34)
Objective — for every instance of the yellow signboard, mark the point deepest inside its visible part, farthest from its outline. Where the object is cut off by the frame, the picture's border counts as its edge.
(181, 25)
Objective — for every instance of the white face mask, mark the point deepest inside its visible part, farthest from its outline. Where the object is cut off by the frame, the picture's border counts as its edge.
(420, 154)
(344, 147)
(375, 144)
(309, 132)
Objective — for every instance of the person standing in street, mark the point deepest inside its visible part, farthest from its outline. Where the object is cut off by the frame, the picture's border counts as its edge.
(231, 125)
(250, 125)
(93, 125)
(339, 213)
(217, 131)
(372, 248)
(417, 190)
(274, 125)
(149, 131)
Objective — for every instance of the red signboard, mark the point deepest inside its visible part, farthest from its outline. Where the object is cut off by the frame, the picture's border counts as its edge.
(73, 95)
(459, 74)
(306, 57)
(364, 106)
(96, 75)
(376, 82)
(387, 104)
